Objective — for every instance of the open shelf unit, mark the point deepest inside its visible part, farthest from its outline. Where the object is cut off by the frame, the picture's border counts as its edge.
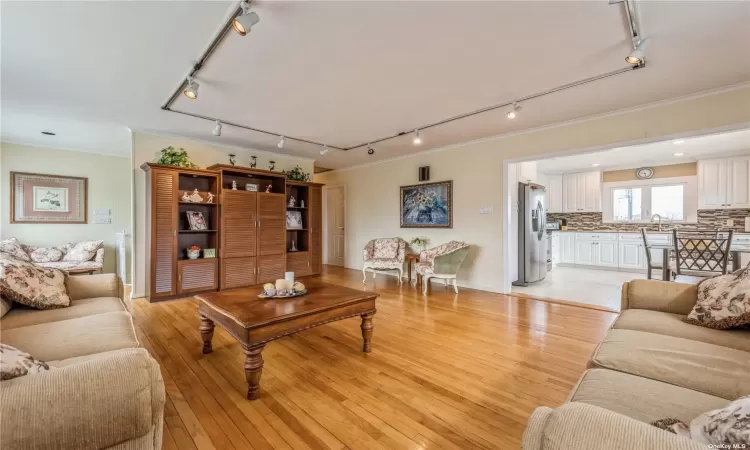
(187, 237)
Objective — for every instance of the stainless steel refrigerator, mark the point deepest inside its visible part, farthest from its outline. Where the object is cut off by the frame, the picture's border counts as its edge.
(532, 233)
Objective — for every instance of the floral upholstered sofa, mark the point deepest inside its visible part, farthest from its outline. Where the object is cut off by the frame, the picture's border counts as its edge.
(83, 255)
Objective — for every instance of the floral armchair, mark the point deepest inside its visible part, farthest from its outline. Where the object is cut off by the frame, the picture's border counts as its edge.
(384, 254)
(442, 262)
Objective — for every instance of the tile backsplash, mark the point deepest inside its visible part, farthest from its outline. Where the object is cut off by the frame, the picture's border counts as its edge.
(708, 220)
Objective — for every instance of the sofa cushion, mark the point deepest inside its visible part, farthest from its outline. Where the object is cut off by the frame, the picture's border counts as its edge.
(672, 325)
(640, 398)
(708, 368)
(82, 251)
(13, 248)
(22, 316)
(74, 337)
(67, 265)
(723, 301)
(45, 254)
(16, 363)
(29, 285)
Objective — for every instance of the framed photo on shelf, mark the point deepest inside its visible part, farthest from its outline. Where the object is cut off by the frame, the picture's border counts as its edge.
(294, 220)
(196, 220)
(40, 198)
(252, 187)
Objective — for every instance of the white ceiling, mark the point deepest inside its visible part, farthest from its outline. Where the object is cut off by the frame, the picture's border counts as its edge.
(348, 72)
(653, 154)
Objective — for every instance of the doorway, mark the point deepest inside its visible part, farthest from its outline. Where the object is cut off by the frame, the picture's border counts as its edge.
(335, 235)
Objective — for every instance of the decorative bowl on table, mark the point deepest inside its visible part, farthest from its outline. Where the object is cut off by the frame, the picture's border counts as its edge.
(271, 291)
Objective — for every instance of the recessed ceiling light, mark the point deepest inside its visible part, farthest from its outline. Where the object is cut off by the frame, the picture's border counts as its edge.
(679, 154)
(678, 141)
(595, 165)
(49, 133)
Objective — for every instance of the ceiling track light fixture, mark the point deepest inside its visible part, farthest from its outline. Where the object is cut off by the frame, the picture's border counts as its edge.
(417, 138)
(217, 129)
(244, 22)
(324, 151)
(370, 150)
(281, 143)
(191, 90)
(637, 57)
(514, 112)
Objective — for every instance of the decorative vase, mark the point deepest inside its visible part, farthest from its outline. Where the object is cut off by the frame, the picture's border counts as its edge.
(232, 159)
(193, 254)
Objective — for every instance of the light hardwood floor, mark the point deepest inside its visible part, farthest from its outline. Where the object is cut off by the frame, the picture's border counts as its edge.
(450, 371)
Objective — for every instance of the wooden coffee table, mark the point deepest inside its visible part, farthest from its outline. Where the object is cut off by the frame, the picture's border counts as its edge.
(255, 322)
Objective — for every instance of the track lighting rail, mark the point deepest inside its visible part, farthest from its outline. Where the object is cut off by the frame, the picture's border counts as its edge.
(167, 106)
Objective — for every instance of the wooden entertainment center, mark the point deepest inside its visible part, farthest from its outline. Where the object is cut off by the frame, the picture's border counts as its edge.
(246, 226)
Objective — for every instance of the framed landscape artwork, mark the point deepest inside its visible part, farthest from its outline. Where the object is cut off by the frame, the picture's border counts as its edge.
(40, 198)
(428, 205)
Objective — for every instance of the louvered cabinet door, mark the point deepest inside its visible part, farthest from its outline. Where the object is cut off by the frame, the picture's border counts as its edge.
(316, 229)
(238, 272)
(163, 233)
(238, 218)
(299, 263)
(196, 275)
(271, 224)
(270, 268)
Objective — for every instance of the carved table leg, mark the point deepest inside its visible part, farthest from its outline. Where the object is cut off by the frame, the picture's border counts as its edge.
(367, 331)
(253, 370)
(207, 333)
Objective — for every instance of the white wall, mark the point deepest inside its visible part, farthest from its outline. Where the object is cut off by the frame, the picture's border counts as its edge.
(147, 147)
(108, 188)
(372, 191)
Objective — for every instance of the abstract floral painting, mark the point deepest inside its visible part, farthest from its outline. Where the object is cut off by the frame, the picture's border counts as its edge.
(428, 205)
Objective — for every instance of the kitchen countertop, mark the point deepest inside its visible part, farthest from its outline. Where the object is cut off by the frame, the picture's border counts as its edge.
(631, 232)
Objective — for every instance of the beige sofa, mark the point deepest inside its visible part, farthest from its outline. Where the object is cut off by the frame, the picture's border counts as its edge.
(650, 366)
(102, 391)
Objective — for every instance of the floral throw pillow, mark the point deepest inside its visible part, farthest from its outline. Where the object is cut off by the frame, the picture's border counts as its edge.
(31, 285)
(723, 301)
(15, 363)
(728, 426)
(46, 254)
(13, 247)
(82, 251)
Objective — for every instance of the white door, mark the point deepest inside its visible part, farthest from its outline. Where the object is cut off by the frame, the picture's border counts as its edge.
(555, 193)
(335, 227)
(591, 191)
(712, 184)
(606, 254)
(570, 195)
(738, 182)
(567, 248)
(631, 255)
(585, 252)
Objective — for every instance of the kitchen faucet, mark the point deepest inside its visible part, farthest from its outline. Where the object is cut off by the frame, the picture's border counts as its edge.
(652, 219)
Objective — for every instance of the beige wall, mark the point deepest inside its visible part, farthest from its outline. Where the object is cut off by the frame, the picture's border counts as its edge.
(668, 171)
(372, 192)
(147, 147)
(108, 188)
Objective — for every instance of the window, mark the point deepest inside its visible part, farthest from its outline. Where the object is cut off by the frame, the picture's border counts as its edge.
(638, 201)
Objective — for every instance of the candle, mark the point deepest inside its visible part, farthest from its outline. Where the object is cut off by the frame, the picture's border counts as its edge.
(281, 284)
(289, 277)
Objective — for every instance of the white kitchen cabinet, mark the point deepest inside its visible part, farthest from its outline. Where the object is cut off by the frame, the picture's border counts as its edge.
(555, 243)
(582, 192)
(567, 248)
(606, 254)
(554, 193)
(527, 172)
(585, 252)
(631, 255)
(724, 183)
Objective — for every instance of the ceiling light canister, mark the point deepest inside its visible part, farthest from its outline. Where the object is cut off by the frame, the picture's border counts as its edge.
(281, 143)
(638, 55)
(217, 129)
(513, 113)
(417, 138)
(245, 21)
(191, 90)
(324, 151)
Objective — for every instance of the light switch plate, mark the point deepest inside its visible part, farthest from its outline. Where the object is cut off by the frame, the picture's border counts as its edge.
(102, 220)
(101, 212)
(730, 222)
